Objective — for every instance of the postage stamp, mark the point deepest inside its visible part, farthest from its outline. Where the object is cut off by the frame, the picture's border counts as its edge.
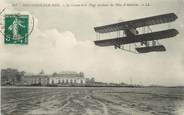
(16, 29)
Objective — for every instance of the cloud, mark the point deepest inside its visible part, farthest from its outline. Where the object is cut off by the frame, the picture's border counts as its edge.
(52, 50)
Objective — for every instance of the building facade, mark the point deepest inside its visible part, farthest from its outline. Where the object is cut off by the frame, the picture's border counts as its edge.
(64, 78)
(10, 76)
(35, 80)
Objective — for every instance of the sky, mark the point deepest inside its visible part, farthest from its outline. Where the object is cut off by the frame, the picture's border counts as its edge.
(62, 40)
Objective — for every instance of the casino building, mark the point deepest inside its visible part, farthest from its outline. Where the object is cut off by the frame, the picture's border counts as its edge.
(62, 78)
(67, 77)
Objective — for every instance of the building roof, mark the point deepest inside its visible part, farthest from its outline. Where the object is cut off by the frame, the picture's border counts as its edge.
(68, 74)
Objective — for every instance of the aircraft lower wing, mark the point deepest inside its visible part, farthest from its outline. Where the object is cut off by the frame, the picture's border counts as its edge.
(138, 38)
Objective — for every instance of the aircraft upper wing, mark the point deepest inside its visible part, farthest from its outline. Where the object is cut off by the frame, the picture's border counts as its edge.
(165, 18)
(138, 38)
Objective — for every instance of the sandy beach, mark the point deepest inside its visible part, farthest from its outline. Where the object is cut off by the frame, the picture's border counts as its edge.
(92, 101)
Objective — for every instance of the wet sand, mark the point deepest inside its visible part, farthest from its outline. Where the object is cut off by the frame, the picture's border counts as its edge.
(92, 101)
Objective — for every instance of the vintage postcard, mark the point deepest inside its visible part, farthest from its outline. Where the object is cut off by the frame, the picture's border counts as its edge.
(92, 57)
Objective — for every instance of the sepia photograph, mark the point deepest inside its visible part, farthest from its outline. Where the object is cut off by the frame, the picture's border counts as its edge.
(92, 57)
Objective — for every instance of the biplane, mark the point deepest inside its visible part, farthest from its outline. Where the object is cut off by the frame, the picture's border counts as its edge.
(147, 40)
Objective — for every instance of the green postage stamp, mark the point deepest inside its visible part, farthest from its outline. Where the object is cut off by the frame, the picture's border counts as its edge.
(16, 29)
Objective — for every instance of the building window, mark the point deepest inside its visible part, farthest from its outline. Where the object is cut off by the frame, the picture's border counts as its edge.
(81, 81)
(35, 81)
(59, 81)
(39, 81)
(52, 81)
